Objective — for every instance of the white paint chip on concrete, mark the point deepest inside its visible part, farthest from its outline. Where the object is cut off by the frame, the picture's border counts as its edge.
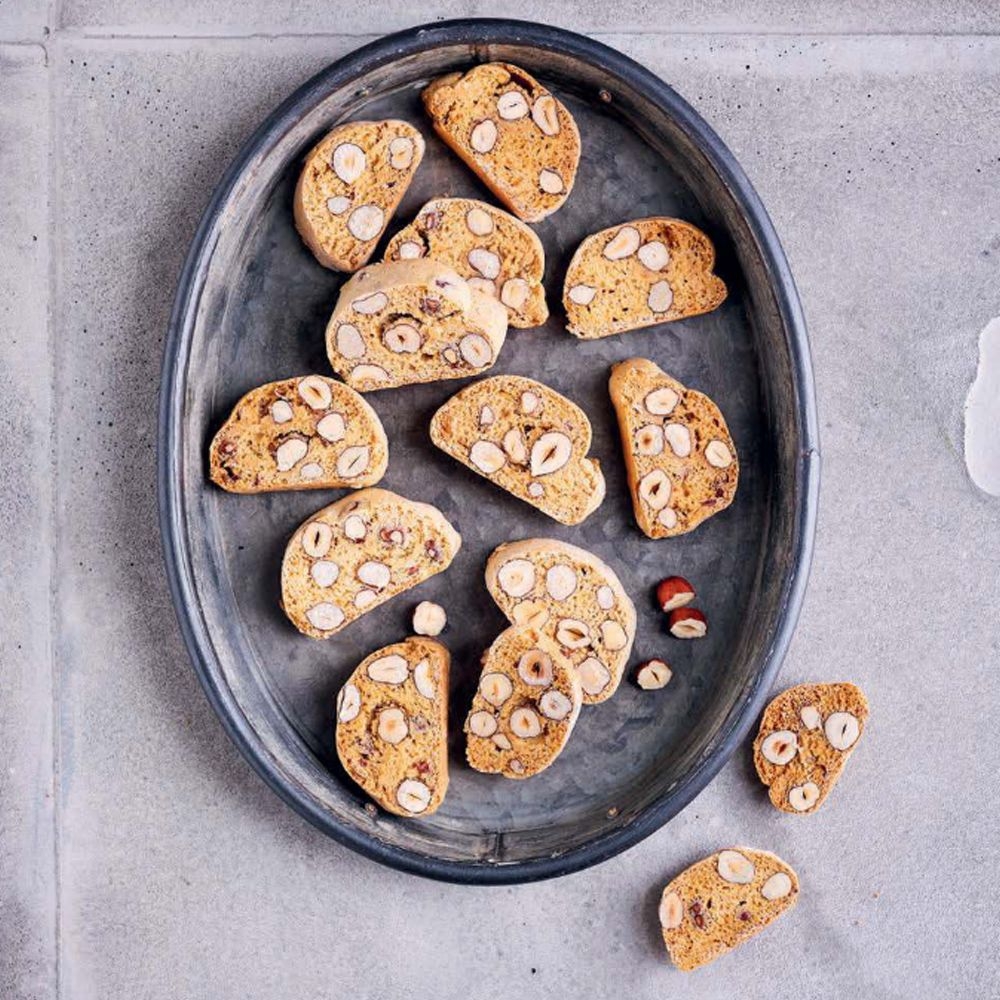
(982, 414)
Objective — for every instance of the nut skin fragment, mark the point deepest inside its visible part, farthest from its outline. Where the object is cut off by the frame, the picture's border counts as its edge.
(687, 623)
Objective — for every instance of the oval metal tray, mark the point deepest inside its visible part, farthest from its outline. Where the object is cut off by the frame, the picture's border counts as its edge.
(252, 306)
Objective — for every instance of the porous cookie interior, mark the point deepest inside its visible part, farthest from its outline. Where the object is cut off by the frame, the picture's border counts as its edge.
(358, 553)
(498, 254)
(392, 726)
(574, 598)
(680, 458)
(526, 438)
(412, 321)
(806, 735)
(640, 273)
(525, 707)
(512, 132)
(350, 186)
(720, 902)
(299, 434)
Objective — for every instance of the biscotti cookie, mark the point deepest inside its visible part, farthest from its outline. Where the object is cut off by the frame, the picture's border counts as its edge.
(722, 901)
(412, 321)
(311, 433)
(525, 707)
(644, 272)
(357, 553)
(527, 439)
(805, 737)
(392, 726)
(572, 597)
(512, 132)
(496, 253)
(681, 462)
(351, 183)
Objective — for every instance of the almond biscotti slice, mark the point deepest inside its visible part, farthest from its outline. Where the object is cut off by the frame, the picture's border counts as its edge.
(805, 737)
(412, 321)
(392, 726)
(358, 553)
(525, 707)
(641, 273)
(572, 597)
(349, 188)
(311, 433)
(527, 439)
(496, 253)
(722, 901)
(681, 461)
(512, 132)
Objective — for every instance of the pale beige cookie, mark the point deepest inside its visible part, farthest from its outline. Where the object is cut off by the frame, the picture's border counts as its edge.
(512, 132)
(392, 726)
(638, 274)
(412, 321)
(349, 188)
(496, 253)
(719, 903)
(310, 433)
(359, 552)
(572, 597)
(527, 439)
(681, 461)
(525, 707)
(805, 737)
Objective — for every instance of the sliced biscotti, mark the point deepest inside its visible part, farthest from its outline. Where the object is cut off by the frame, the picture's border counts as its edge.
(526, 438)
(349, 188)
(392, 726)
(722, 901)
(412, 321)
(572, 597)
(805, 737)
(358, 553)
(525, 707)
(681, 461)
(496, 253)
(307, 433)
(512, 132)
(638, 274)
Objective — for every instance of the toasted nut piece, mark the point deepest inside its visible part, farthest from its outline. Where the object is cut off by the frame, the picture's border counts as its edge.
(324, 572)
(364, 598)
(311, 470)
(350, 343)
(661, 402)
(594, 676)
(289, 453)
(325, 617)
(423, 680)
(842, 729)
(605, 598)
(513, 444)
(572, 634)
(349, 162)
(512, 105)
(524, 722)
(413, 796)
(479, 222)
(560, 581)
(671, 910)
(613, 636)
(582, 295)
(623, 244)
(550, 453)
(653, 675)
(429, 618)
(332, 427)
(450, 355)
(649, 439)
(517, 577)
(501, 741)
(365, 222)
(348, 703)
(338, 204)
(403, 338)
(484, 286)
(780, 747)
(535, 490)
(661, 297)
(687, 623)
(353, 461)
(653, 255)
(668, 517)
(777, 886)
(555, 705)
(369, 373)
(354, 527)
(410, 250)
(534, 614)
(281, 411)
(392, 725)
(803, 797)
(515, 293)
(369, 305)
(475, 350)
(655, 489)
(718, 455)
(487, 457)
(401, 151)
(545, 114)
(811, 718)
(674, 592)
(375, 574)
(316, 539)
(530, 401)
(315, 392)
(735, 867)
(515, 765)
(679, 439)
(486, 262)
(483, 136)
(391, 669)
(495, 688)
(550, 181)
(535, 668)
(486, 416)
(482, 724)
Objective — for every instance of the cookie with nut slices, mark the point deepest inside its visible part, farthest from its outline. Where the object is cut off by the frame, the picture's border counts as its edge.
(526, 438)
(350, 186)
(519, 139)
(496, 253)
(310, 433)
(525, 706)
(412, 321)
(806, 735)
(722, 901)
(572, 597)
(392, 726)
(679, 455)
(639, 274)
(359, 553)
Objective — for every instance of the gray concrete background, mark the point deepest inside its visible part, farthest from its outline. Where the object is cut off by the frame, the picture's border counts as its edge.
(141, 858)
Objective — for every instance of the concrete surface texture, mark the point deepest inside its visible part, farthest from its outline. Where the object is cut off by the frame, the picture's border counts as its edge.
(139, 855)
